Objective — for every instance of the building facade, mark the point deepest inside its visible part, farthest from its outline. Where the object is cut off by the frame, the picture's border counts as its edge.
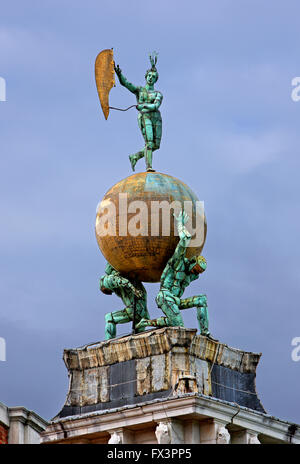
(18, 425)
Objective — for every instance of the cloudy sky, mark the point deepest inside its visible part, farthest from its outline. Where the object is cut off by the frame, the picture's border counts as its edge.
(230, 131)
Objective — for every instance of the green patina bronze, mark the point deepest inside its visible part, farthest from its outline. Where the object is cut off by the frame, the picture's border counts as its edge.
(139, 260)
(133, 295)
(149, 117)
(177, 275)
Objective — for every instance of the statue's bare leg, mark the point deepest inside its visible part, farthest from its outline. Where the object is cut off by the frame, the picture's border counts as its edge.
(151, 128)
(141, 314)
(140, 154)
(157, 133)
(168, 304)
(149, 143)
(134, 158)
(202, 317)
(123, 316)
(117, 317)
(153, 137)
(159, 322)
(199, 302)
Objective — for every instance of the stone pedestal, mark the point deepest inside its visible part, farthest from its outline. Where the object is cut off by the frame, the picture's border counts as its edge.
(159, 363)
(167, 386)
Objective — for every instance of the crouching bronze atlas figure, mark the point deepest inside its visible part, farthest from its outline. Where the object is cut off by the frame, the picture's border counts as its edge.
(177, 275)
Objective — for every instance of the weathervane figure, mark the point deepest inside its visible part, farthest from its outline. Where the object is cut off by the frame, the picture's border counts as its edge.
(149, 117)
(148, 102)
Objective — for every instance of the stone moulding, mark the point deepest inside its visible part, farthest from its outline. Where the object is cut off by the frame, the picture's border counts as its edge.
(159, 363)
(159, 341)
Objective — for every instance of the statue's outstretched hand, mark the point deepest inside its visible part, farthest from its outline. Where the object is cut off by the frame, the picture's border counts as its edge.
(117, 69)
(182, 218)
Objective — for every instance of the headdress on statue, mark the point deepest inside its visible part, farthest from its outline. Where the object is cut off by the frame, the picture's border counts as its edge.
(153, 61)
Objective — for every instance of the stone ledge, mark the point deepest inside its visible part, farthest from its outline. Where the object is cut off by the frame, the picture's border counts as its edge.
(159, 341)
(29, 418)
(186, 407)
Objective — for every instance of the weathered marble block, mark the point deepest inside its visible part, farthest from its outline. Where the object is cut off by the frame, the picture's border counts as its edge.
(158, 363)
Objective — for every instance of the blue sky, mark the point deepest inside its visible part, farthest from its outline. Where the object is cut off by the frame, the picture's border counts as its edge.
(230, 131)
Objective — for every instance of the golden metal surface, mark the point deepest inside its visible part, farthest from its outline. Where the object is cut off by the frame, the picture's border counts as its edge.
(143, 256)
(105, 78)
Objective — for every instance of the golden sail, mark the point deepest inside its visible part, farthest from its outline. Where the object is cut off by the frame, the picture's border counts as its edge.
(105, 77)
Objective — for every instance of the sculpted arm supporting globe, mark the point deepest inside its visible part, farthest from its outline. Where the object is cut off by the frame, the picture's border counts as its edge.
(177, 275)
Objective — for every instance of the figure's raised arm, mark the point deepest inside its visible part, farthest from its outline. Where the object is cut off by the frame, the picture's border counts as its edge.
(123, 81)
(184, 238)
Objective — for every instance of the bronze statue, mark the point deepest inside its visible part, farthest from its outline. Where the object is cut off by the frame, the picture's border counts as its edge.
(133, 295)
(177, 275)
(149, 117)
